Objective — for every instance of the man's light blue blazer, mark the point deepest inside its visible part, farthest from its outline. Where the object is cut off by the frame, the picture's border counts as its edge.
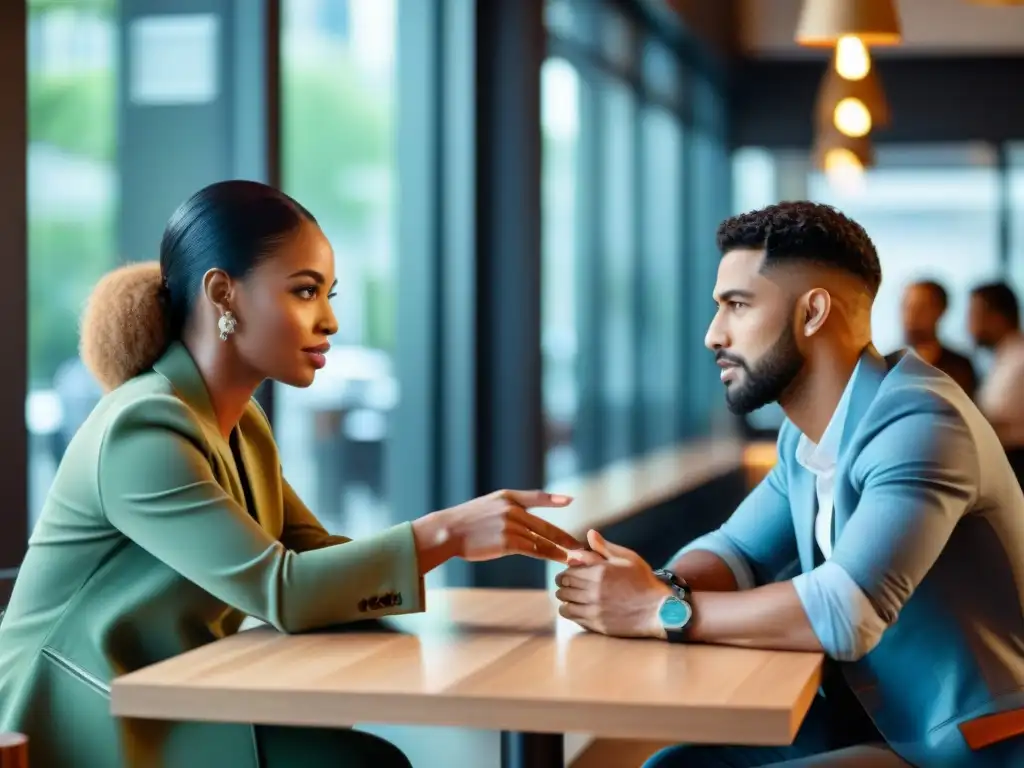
(929, 523)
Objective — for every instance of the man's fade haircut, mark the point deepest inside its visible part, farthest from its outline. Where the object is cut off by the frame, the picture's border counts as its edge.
(803, 231)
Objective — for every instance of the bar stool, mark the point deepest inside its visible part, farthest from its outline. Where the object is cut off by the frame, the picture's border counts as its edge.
(13, 750)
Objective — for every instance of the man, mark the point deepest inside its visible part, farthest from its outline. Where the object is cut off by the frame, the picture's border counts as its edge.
(924, 304)
(994, 322)
(891, 499)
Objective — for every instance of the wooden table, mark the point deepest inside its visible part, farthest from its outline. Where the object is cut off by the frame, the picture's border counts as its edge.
(490, 659)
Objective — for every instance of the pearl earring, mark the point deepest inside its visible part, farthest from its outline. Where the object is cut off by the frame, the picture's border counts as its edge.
(227, 324)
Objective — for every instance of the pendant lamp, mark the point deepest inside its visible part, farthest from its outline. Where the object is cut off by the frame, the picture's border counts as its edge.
(823, 22)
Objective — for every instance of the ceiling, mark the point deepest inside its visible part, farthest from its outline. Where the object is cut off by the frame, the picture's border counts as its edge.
(930, 28)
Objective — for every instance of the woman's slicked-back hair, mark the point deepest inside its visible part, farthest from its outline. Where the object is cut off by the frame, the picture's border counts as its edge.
(135, 311)
(230, 225)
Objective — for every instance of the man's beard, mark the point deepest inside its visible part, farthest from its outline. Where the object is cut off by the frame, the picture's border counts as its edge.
(768, 379)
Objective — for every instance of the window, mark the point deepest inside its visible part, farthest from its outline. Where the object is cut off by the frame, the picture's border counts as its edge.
(72, 214)
(661, 259)
(560, 123)
(1015, 190)
(338, 160)
(618, 255)
(706, 411)
(635, 182)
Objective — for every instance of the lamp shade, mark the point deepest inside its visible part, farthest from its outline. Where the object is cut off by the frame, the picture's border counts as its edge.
(834, 151)
(836, 92)
(823, 22)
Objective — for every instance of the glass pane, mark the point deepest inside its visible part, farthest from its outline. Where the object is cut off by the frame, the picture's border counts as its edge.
(560, 123)
(566, 18)
(662, 260)
(72, 215)
(337, 112)
(618, 39)
(618, 192)
(709, 204)
(661, 73)
(1015, 161)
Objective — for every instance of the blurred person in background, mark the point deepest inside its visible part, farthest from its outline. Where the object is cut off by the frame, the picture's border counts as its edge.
(994, 323)
(924, 304)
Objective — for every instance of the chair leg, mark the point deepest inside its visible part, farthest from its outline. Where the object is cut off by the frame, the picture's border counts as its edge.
(13, 750)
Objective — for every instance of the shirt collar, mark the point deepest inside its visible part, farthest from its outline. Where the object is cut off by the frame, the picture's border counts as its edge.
(821, 458)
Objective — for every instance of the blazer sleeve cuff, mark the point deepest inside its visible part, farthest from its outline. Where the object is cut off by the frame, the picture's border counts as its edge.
(400, 588)
(718, 543)
(843, 619)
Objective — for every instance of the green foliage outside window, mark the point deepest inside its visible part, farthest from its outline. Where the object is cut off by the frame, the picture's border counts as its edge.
(335, 127)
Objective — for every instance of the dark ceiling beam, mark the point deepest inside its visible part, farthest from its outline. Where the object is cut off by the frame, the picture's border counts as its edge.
(932, 99)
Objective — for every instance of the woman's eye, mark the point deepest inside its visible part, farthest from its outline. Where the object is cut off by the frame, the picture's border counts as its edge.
(332, 295)
(307, 292)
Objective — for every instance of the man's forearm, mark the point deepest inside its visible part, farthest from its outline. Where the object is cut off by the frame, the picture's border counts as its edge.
(704, 571)
(771, 616)
(713, 563)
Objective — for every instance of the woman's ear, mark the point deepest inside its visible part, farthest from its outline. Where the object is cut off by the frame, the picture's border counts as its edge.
(815, 305)
(218, 287)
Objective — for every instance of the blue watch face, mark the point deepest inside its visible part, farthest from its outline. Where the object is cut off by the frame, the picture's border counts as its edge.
(674, 613)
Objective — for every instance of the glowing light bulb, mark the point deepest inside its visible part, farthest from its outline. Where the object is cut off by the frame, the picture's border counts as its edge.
(852, 117)
(840, 160)
(844, 171)
(853, 62)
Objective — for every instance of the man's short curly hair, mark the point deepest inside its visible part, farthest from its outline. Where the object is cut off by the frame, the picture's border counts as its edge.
(805, 231)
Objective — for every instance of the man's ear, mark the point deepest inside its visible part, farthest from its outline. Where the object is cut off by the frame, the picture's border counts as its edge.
(218, 287)
(815, 306)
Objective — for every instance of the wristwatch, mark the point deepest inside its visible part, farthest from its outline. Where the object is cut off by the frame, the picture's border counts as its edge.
(676, 610)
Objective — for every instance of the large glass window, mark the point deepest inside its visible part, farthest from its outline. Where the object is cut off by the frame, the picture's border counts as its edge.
(72, 214)
(560, 123)
(618, 262)
(635, 180)
(338, 159)
(1015, 191)
(661, 216)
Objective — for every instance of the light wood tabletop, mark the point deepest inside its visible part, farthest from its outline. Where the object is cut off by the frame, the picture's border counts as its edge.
(488, 659)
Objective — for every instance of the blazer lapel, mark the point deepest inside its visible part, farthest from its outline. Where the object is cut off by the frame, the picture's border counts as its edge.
(178, 367)
(804, 503)
(870, 375)
(265, 489)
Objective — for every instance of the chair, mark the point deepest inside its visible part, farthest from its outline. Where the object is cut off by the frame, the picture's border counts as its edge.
(13, 750)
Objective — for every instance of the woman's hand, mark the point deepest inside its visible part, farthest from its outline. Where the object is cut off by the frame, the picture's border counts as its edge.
(493, 526)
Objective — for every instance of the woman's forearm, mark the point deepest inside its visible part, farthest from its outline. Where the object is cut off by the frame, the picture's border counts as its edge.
(434, 543)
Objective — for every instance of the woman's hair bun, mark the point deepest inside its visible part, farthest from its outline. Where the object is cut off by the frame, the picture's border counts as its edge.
(124, 325)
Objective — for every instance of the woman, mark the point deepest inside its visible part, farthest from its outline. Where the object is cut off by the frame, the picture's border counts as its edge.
(169, 521)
